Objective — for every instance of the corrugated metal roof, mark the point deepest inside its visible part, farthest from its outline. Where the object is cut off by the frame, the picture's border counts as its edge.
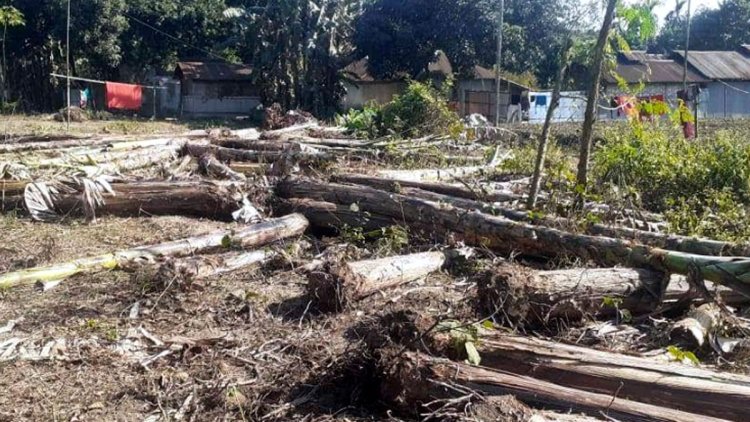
(722, 65)
(637, 66)
(746, 48)
(213, 71)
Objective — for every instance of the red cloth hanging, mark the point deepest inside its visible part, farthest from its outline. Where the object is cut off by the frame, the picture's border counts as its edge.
(123, 96)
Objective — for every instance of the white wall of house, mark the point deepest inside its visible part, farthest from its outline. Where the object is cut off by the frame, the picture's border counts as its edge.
(572, 106)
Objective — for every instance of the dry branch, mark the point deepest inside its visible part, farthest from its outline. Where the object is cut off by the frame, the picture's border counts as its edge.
(187, 270)
(248, 237)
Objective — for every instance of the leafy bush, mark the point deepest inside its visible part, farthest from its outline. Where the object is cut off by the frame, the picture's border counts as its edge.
(420, 110)
(702, 186)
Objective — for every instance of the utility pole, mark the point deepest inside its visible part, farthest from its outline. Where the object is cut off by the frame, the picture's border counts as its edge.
(67, 59)
(687, 49)
(498, 61)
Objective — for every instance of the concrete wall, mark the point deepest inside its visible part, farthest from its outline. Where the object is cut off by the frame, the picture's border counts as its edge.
(357, 95)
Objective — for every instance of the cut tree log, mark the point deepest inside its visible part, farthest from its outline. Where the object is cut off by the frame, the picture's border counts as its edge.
(533, 297)
(288, 131)
(251, 144)
(671, 385)
(248, 237)
(659, 240)
(326, 215)
(195, 199)
(395, 185)
(210, 166)
(448, 174)
(230, 154)
(505, 235)
(692, 332)
(416, 380)
(338, 284)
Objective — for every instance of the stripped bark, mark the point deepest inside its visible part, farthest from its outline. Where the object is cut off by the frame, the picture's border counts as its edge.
(210, 166)
(671, 385)
(249, 237)
(508, 236)
(535, 297)
(417, 379)
(339, 284)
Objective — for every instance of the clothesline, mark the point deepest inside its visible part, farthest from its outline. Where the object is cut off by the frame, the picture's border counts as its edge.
(96, 81)
(735, 88)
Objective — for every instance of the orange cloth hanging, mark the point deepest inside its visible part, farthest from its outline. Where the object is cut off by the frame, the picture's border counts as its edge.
(123, 96)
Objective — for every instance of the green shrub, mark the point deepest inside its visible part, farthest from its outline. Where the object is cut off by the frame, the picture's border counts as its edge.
(702, 186)
(420, 110)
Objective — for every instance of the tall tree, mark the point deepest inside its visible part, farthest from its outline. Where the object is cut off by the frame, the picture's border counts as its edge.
(592, 98)
(9, 17)
(297, 48)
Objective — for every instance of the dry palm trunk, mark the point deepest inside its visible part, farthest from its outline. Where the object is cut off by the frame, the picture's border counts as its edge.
(672, 385)
(395, 185)
(248, 237)
(506, 235)
(210, 166)
(326, 215)
(416, 379)
(194, 199)
(533, 297)
(660, 240)
(692, 332)
(442, 174)
(87, 146)
(338, 284)
(328, 142)
(113, 161)
(230, 154)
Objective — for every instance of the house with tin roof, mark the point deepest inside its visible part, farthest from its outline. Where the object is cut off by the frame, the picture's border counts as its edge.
(216, 89)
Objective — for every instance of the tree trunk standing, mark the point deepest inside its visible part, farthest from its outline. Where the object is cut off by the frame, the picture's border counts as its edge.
(592, 98)
(541, 154)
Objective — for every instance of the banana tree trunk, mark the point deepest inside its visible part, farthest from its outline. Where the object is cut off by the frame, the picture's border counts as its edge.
(530, 297)
(671, 385)
(248, 237)
(509, 236)
(415, 380)
(339, 284)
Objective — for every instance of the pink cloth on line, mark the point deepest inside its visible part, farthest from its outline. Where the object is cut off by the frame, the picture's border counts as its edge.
(123, 96)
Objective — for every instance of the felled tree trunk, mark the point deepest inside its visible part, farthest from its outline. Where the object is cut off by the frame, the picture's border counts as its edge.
(671, 385)
(249, 237)
(660, 240)
(418, 379)
(195, 199)
(288, 131)
(230, 154)
(395, 185)
(185, 271)
(692, 331)
(249, 169)
(326, 215)
(442, 174)
(210, 166)
(505, 235)
(533, 297)
(251, 144)
(339, 284)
